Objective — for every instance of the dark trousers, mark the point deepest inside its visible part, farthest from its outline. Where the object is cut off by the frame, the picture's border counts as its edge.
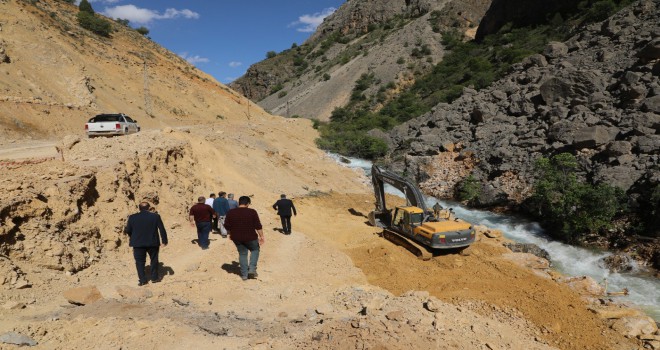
(286, 223)
(140, 255)
(203, 230)
(214, 224)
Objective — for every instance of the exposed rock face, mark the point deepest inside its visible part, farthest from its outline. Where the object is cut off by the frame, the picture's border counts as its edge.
(520, 13)
(595, 95)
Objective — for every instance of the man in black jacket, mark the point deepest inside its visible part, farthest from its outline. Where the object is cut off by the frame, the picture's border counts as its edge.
(143, 229)
(284, 207)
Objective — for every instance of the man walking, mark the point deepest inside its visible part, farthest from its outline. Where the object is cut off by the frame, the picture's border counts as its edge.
(143, 229)
(214, 220)
(232, 203)
(221, 207)
(284, 207)
(200, 216)
(247, 234)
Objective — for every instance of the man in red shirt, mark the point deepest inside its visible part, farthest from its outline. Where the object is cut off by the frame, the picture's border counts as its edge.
(245, 231)
(200, 216)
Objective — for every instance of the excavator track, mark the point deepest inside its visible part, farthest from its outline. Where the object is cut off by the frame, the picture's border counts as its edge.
(400, 240)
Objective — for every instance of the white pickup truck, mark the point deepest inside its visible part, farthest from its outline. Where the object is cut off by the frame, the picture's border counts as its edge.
(111, 125)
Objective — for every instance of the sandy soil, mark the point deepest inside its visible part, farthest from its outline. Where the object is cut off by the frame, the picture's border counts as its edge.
(314, 285)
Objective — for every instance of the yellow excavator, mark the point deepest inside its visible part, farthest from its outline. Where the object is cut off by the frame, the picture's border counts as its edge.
(413, 226)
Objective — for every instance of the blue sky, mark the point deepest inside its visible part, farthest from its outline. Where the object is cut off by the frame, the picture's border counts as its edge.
(222, 37)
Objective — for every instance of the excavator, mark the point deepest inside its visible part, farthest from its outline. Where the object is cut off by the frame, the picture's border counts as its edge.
(413, 226)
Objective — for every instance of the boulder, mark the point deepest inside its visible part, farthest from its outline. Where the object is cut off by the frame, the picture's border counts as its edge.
(618, 148)
(592, 137)
(618, 263)
(585, 286)
(651, 51)
(615, 312)
(651, 104)
(17, 339)
(634, 326)
(528, 248)
(555, 49)
(83, 295)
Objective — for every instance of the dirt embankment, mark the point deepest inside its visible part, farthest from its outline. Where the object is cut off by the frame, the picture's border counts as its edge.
(61, 228)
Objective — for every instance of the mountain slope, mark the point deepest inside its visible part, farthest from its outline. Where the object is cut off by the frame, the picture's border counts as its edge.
(57, 75)
(394, 40)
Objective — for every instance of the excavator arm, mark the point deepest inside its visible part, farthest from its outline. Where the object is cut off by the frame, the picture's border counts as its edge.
(379, 177)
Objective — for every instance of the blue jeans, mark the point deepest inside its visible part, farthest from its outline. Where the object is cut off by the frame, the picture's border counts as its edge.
(243, 248)
(140, 255)
(203, 230)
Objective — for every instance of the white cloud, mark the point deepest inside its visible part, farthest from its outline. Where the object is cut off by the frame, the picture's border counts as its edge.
(235, 64)
(193, 59)
(308, 23)
(144, 16)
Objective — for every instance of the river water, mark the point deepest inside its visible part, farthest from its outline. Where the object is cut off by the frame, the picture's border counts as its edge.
(644, 289)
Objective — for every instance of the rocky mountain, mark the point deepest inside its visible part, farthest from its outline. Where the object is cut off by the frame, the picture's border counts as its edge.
(54, 75)
(395, 40)
(596, 95)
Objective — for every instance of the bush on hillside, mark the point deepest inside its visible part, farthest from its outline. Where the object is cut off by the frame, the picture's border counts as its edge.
(271, 54)
(95, 24)
(143, 30)
(570, 208)
(85, 6)
(469, 189)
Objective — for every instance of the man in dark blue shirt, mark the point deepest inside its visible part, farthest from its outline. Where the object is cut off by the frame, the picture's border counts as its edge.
(284, 207)
(221, 207)
(143, 229)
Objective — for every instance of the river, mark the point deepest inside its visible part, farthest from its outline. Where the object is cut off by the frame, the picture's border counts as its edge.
(643, 287)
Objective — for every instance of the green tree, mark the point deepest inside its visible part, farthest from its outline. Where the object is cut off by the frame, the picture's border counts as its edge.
(271, 54)
(143, 30)
(97, 25)
(568, 207)
(85, 6)
(469, 189)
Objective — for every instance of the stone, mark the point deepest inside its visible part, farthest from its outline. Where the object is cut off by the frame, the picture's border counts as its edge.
(592, 137)
(134, 293)
(493, 233)
(585, 286)
(615, 312)
(555, 49)
(651, 104)
(396, 315)
(13, 305)
(528, 248)
(635, 325)
(651, 51)
(17, 339)
(83, 295)
(167, 130)
(432, 305)
(325, 309)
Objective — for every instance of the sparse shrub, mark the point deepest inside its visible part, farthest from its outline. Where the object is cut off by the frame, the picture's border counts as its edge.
(121, 21)
(276, 88)
(282, 93)
(401, 60)
(271, 54)
(95, 24)
(143, 30)
(326, 77)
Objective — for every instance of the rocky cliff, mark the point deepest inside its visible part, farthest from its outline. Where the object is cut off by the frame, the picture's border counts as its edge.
(596, 95)
(396, 40)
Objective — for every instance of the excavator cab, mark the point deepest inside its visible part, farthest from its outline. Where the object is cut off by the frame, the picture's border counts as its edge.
(407, 218)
